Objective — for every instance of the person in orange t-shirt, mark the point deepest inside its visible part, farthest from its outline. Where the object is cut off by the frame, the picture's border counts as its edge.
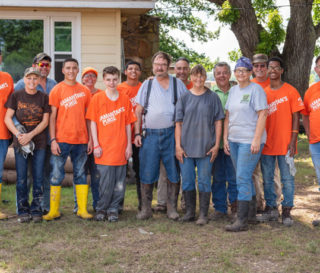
(111, 116)
(311, 121)
(89, 79)
(6, 88)
(282, 126)
(69, 135)
(131, 87)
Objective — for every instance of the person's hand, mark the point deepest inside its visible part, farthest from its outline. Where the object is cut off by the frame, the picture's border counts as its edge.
(214, 152)
(292, 148)
(24, 139)
(226, 147)
(97, 152)
(255, 146)
(180, 153)
(90, 146)
(55, 148)
(128, 153)
(137, 141)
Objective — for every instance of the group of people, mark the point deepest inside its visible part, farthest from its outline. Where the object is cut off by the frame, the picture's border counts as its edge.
(171, 127)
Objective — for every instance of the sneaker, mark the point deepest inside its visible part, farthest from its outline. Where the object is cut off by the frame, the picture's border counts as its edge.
(37, 218)
(24, 218)
(269, 214)
(100, 216)
(112, 217)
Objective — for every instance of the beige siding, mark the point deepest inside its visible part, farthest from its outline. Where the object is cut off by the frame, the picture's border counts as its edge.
(101, 40)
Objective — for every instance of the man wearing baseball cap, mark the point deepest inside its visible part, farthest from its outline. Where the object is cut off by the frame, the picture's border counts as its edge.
(42, 62)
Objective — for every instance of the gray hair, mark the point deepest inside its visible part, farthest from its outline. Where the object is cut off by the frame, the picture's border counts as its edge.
(222, 64)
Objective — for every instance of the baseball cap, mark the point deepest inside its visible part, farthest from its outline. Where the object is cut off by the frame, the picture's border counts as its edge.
(41, 56)
(259, 58)
(89, 69)
(31, 70)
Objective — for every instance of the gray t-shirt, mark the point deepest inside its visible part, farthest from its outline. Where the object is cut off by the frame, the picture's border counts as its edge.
(198, 114)
(243, 104)
(161, 108)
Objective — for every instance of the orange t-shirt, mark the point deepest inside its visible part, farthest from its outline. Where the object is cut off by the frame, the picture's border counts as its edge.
(6, 88)
(98, 90)
(190, 85)
(111, 118)
(262, 84)
(131, 92)
(282, 103)
(312, 109)
(71, 102)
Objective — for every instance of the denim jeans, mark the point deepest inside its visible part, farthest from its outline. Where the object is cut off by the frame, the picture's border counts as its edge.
(4, 143)
(315, 155)
(78, 154)
(112, 187)
(287, 180)
(188, 173)
(158, 145)
(45, 202)
(223, 172)
(244, 163)
(37, 162)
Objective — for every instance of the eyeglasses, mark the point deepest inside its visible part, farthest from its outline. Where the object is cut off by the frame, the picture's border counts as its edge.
(241, 71)
(162, 65)
(43, 64)
(90, 76)
(259, 65)
(276, 68)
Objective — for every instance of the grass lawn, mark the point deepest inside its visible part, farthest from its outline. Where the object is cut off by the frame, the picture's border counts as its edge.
(75, 245)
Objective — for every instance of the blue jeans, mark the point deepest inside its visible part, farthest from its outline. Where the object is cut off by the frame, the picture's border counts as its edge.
(223, 172)
(244, 163)
(45, 203)
(188, 173)
(78, 154)
(315, 155)
(37, 163)
(4, 143)
(158, 145)
(287, 180)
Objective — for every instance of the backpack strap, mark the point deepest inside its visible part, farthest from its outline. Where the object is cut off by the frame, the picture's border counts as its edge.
(146, 102)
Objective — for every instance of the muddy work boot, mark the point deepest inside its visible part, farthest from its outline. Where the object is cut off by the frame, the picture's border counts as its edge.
(269, 214)
(286, 217)
(172, 195)
(190, 198)
(252, 217)
(204, 200)
(160, 208)
(241, 223)
(146, 199)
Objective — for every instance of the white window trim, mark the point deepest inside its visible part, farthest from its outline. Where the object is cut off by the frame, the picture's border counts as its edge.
(48, 26)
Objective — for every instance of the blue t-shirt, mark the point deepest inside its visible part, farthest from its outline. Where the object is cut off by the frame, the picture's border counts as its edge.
(243, 105)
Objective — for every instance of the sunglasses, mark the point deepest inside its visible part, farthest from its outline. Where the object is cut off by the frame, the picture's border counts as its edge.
(43, 64)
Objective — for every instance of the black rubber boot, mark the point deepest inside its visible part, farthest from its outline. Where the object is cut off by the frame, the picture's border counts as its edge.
(241, 224)
(146, 199)
(190, 198)
(172, 200)
(204, 200)
(138, 184)
(252, 217)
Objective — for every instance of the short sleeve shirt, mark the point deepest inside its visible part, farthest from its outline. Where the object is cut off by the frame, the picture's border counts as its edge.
(6, 88)
(49, 85)
(262, 84)
(282, 103)
(71, 102)
(312, 109)
(111, 118)
(161, 106)
(198, 115)
(29, 110)
(243, 105)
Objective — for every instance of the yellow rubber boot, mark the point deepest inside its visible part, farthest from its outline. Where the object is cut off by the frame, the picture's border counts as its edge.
(2, 215)
(82, 200)
(54, 213)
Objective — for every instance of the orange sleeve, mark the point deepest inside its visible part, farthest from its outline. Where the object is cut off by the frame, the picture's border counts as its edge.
(91, 113)
(306, 110)
(130, 116)
(296, 101)
(54, 97)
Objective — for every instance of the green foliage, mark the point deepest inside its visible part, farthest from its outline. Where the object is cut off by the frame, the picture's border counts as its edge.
(273, 34)
(316, 12)
(234, 55)
(263, 8)
(20, 41)
(178, 49)
(228, 14)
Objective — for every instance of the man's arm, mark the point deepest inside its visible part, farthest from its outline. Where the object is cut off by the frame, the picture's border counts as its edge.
(215, 149)
(294, 133)
(306, 124)
(55, 149)
(129, 144)
(137, 126)
(180, 153)
(225, 134)
(89, 149)
(261, 125)
(97, 150)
